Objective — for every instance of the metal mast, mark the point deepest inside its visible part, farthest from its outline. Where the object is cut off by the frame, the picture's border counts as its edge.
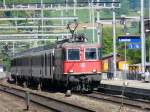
(142, 37)
(149, 29)
(75, 5)
(98, 25)
(42, 15)
(93, 22)
(114, 38)
(4, 2)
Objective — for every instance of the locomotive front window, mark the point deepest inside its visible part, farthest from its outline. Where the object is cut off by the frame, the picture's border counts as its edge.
(90, 54)
(73, 54)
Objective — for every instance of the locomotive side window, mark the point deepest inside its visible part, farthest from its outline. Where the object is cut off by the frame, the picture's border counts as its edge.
(90, 54)
(73, 54)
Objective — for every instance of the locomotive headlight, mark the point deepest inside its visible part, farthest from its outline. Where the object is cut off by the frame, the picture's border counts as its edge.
(71, 71)
(94, 70)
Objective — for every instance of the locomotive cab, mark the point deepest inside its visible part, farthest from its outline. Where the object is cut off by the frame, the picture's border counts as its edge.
(82, 65)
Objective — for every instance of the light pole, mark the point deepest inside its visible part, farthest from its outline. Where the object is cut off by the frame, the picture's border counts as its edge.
(98, 25)
(74, 10)
(114, 39)
(123, 22)
(93, 22)
(149, 29)
(4, 2)
(13, 48)
(90, 6)
(143, 59)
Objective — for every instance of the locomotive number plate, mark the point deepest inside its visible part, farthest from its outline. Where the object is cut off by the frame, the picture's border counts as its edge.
(82, 65)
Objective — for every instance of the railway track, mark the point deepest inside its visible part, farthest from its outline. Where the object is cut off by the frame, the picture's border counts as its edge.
(48, 102)
(122, 101)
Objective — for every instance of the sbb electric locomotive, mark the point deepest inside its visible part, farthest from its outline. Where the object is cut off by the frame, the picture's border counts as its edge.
(75, 65)
(72, 64)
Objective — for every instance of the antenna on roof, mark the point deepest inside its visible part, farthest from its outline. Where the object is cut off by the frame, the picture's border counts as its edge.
(74, 25)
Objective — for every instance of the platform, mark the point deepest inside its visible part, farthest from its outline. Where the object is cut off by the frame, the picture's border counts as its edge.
(134, 88)
(131, 83)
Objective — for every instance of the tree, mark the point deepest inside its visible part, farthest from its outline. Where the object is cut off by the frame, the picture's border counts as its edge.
(125, 7)
(107, 41)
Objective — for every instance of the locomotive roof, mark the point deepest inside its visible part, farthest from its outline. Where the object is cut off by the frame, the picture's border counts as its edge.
(83, 44)
(34, 50)
(40, 49)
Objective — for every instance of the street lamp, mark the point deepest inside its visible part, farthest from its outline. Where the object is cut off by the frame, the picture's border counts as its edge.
(143, 57)
(114, 40)
(123, 22)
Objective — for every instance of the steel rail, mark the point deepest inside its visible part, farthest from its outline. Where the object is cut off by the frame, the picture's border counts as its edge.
(140, 104)
(48, 102)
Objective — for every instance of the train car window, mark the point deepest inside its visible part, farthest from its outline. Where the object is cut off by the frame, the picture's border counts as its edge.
(90, 53)
(12, 62)
(73, 54)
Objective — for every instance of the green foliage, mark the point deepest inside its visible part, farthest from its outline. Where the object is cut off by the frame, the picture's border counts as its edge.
(83, 15)
(134, 56)
(107, 40)
(6, 61)
(125, 7)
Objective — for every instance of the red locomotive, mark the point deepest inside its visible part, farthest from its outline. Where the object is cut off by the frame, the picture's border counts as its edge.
(74, 64)
(83, 64)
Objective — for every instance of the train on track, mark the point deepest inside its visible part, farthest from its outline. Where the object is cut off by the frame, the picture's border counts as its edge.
(70, 63)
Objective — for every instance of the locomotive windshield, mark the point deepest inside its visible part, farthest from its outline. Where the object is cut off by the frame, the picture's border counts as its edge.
(90, 54)
(73, 54)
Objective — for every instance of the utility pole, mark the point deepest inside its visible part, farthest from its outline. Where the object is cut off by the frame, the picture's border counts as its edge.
(42, 22)
(98, 15)
(4, 2)
(62, 21)
(149, 29)
(143, 59)
(90, 11)
(93, 21)
(75, 4)
(13, 48)
(114, 38)
(98, 25)
(66, 9)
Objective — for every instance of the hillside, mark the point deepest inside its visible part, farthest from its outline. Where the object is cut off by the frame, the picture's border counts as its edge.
(128, 7)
